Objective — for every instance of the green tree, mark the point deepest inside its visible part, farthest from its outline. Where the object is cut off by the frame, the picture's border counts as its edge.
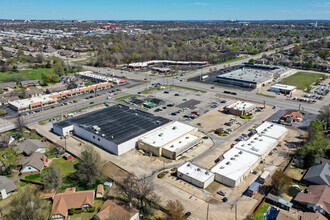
(280, 182)
(1, 90)
(88, 167)
(8, 158)
(28, 205)
(2, 112)
(51, 177)
(315, 128)
(58, 69)
(252, 61)
(324, 116)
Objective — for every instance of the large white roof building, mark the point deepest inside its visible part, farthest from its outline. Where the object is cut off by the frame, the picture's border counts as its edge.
(234, 167)
(272, 130)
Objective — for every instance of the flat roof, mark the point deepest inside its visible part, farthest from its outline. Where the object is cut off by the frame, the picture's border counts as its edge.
(271, 130)
(26, 102)
(167, 134)
(248, 75)
(241, 105)
(118, 123)
(195, 172)
(235, 163)
(256, 144)
(282, 86)
(181, 142)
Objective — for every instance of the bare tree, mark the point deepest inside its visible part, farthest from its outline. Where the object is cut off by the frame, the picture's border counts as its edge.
(20, 124)
(324, 116)
(175, 210)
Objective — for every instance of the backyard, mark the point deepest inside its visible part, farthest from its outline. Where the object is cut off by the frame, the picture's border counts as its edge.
(261, 212)
(301, 79)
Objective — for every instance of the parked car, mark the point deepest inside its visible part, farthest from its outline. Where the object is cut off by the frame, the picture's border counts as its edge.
(188, 214)
(176, 94)
(233, 93)
(166, 92)
(225, 199)
(173, 113)
(223, 101)
(170, 105)
(91, 103)
(221, 193)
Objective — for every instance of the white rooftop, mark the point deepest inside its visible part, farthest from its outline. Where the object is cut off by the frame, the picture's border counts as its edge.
(241, 105)
(271, 130)
(26, 102)
(256, 144)
(282, 86)
(99, 77)
(167, 134)
(195, 172)
(235, 164)
(144, 64)
(181, 142)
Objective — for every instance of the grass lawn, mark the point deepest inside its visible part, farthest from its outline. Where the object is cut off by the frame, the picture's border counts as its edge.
(88, 215)
(66, 165)
(187, 88)
(301, 79)
(234, 59)
(24, 74)
(263, 209)
(33, 177)
(125, 97)
(147, 91)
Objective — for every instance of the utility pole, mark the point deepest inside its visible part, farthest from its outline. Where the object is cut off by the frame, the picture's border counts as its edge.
(235, 211)
(207, 213)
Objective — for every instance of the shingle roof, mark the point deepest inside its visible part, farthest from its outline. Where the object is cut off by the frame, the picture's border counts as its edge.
(30, 145)
(319, 174)
(70, 199)
(317, 194)
(7, 184)
(112, 209)
(35, 160)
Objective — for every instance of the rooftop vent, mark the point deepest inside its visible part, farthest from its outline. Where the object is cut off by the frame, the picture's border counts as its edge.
(187, 137)
(207, 172)
(172, 146)
(228, 163)
(198, 169)
(222, 167)
(188, 165)
(161, 135)
(174, 128)
(233, 158)
(241, 152)
(236, 155)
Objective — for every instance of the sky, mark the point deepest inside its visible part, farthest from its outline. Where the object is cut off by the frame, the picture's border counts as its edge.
(166, 9)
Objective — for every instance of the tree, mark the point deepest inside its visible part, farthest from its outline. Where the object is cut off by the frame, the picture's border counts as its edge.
(2, 112)
(315, 128)
(28, 205)
(88, 168)
(8, 158)
(51, 177)
(40, 58)
(58, 69)
(252, 61)
(20, 124)
(175, 210)
(280, 182)
(1, 90)
(127, 188)
(324, 116)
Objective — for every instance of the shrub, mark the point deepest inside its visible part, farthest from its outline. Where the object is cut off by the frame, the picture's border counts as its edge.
(2, 112)
(218, 131)
(243, 116)
(91, 209)
(162, 174)
(78, 211)
(174, 169)
(72, 211)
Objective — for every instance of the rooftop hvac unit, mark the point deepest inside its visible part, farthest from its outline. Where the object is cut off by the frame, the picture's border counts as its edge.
(228, 163)
(249, 144)
(233, 158)
(103, 135)
(260, 140)
(236, 155)
(252, 141)
(207, 172)
(243, 145)
(180, 142)
(174, 128)
(187, 137)
(254, 149)
(96, 132)
(271, 125)
(111, 136)
(161, 134)
(172, 146)
(188, 165)
(222, 167)
(240, 152)
(256, 138)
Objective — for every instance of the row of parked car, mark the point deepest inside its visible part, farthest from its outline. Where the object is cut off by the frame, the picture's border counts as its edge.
(304, 99)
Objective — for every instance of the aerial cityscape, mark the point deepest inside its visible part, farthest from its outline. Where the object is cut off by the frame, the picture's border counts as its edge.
(168, 110)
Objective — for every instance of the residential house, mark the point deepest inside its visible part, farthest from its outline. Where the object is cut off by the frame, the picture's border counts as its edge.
(293, 116)
(320, 160)
(317, 199)
(8, 86)
(50, 49)
(71, 199)
(100, 191)
(32, 164)
(318, 174)
(4, 100)
(7, 187)
(56, 88)
(34, 93)
(29, 83)
(115, 210)
(30, 146)
(285, 215)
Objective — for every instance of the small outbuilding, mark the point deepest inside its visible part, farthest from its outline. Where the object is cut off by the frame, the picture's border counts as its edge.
(67, 156)
(100, 191)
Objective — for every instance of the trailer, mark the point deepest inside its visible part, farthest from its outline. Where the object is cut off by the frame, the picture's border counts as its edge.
(204, 77)
(264, 177)
(253, 189)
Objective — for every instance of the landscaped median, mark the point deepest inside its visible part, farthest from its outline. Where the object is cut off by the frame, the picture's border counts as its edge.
(266, 95)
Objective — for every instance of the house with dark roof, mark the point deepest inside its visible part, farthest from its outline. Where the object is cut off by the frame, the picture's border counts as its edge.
(71, 199)
(114, 210)
(29, 146)
(318, 174)
(32, 164)
(8, 86)
(7, 187)
(317, 199)
(34, 92)
(30, 82)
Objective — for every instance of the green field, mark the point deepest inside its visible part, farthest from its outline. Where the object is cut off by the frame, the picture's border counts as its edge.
(67, 166)
(23, 74)
(263, 209)
(301, 79)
